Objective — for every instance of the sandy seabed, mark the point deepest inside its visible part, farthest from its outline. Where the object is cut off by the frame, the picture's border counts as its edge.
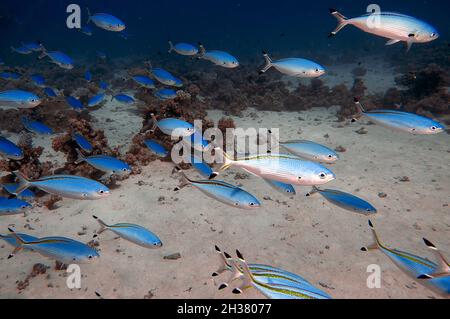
(307, 236)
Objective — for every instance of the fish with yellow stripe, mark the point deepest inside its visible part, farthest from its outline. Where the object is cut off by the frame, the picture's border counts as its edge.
(415, 266)
(221, 191)
(280, 167)
(131, 232)
(271, 282)
(65, 250)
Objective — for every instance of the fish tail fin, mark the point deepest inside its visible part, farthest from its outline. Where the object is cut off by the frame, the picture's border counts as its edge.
(313, 191)
(154, 122)
(202, 50)
(103, 225)
(246, 274)
(342, 22)
(359, 105)
(43, 53)
(268, 63)
(170, 47)
(80, 158)
(224, 265)
(24, 183)
(185, 181)
(443, 268)
(377, 243)
(236, 273)
(20, 243)
(89, 16)
(226, 159)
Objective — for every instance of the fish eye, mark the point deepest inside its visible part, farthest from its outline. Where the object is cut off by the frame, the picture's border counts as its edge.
(90, 257)
(236, 204)
(330, 156)
(322, 175)
(317, 70)
(433, 128)
(433, 34)
(124, 169)
(299, 178)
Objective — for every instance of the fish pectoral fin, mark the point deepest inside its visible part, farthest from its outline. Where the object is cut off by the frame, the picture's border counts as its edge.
(370, 247)
(392, 41)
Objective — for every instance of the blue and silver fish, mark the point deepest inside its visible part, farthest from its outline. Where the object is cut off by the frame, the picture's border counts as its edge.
(166, 94)
(183, 48)
(197, 141)
(10, 75)
(11, 240)
(173, 127)
(219, 58)
(273, 285)
(64, 250)
(393, 26)
(124, 99)
(403, 121)
(279, 167)
(414, 266)
(311, 151)
(345, 201)
(96, 100)
(12, 206)
(106, 22)
(33, 46)
(60, 59)
(11, 188)
(223, 192)
(50, 92)
(108, 164)
(19, 99)
(36, 126)
(258, 270)
(22, 50)
(38, 80)
(74, 103)
(203, 168)
(88, 76)
(297, 67)
(156, 148)
(10, 150)
(283, 188)
(82, 142)
(133, 233)
(68, 186)
(165, 77)
(144, 81)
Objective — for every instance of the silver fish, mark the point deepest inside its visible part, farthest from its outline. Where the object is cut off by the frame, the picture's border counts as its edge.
(393, 26)
(131, 232)
(221, 191)
(280, 167)
(70, 186)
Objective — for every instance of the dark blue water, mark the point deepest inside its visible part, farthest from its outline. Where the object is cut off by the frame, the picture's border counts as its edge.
(243, 28)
